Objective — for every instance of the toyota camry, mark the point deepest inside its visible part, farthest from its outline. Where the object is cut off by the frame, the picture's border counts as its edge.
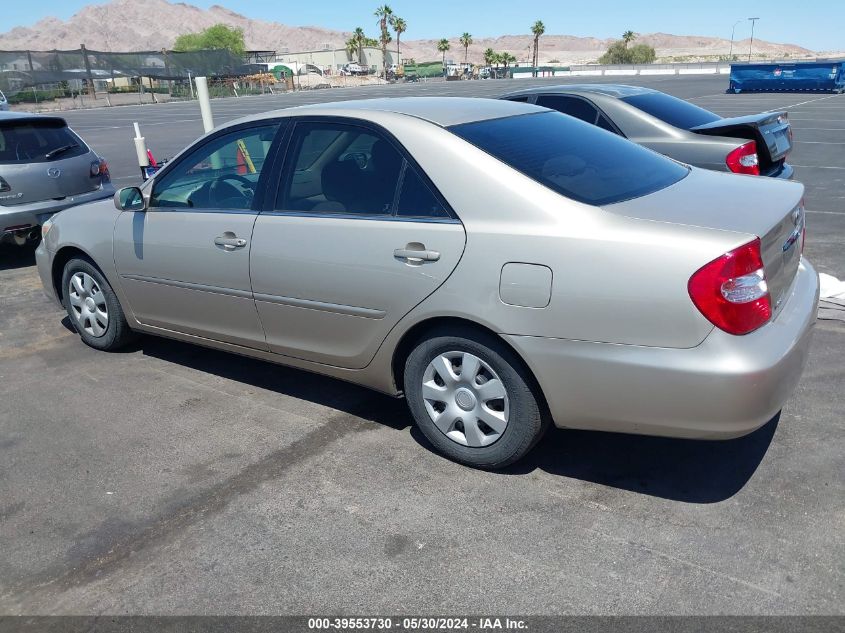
(501, 265)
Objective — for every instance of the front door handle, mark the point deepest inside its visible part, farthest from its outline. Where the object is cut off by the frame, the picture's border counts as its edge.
(414, 255)
(230, 242)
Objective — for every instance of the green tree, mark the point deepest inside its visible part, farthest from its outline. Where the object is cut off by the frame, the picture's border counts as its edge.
(538, 28)
(399, 26)
(359, 39)
(218, 36)
(466, 40)
(619, 53)
(384, 14)
(443, 46)
(628, 37)
(489, 56)
(506, 59)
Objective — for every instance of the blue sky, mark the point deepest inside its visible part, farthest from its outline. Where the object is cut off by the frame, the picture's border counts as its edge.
(815, 24)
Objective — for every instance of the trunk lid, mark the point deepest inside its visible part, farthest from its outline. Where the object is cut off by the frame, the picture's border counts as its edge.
(42, 159)
(769, 209)
(770, 130)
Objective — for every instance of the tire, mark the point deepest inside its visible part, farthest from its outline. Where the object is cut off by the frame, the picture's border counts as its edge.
(457, 425)
(93, 308)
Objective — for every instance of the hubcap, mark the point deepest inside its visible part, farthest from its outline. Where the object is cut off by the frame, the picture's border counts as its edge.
(465, 399)
(88, 304)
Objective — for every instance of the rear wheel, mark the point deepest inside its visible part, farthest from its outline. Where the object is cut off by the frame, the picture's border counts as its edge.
(93, 307)
(472, 398)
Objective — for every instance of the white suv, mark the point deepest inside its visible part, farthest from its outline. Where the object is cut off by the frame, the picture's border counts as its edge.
(4, 105)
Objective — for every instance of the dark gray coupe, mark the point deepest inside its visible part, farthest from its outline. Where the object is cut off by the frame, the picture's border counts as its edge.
(756, 144)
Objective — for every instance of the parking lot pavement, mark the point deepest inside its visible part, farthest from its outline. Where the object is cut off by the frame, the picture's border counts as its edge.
(170, 479)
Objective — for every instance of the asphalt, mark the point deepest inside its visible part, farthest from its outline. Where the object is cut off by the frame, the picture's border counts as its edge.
(170, 479)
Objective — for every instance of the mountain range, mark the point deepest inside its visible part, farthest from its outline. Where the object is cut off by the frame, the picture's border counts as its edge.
(129, 25)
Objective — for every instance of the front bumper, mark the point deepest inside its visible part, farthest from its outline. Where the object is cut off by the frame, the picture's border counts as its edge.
(23, 216)
(725, 387)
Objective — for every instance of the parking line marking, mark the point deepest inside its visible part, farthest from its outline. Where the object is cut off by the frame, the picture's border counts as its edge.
(842, 213)
(817, 166)
(819, 143)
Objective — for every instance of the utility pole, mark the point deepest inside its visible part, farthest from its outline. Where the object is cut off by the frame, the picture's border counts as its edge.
(751, 45)
(733, 30)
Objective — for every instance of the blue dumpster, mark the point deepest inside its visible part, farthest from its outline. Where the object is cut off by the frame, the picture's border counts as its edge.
(788, 77)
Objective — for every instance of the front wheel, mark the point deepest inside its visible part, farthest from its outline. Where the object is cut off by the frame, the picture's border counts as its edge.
(472, 398)
(93, 307)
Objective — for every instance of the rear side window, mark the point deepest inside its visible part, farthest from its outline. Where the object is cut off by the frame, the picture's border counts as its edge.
(38, 141)
(415, 198)
(573, 158)
(572, 106)
(672, 110)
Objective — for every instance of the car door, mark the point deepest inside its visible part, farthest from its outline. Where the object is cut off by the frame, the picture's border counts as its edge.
(184, 261)
(356, 238)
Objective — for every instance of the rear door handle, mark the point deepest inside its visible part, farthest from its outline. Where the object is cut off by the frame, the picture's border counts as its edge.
(230, 242)
(412, 255)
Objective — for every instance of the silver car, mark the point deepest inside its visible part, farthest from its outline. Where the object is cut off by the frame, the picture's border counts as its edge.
(44, 168)
(754, 144)
(501, 265)
(4, 104)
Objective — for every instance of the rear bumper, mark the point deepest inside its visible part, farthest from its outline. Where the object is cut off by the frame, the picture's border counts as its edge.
(785, 172)
(725, 387)
(44, 264)
(36, 213)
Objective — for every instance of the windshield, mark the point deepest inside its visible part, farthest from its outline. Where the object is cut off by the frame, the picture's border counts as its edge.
(37, 140)
(672, 110)
(575, 159)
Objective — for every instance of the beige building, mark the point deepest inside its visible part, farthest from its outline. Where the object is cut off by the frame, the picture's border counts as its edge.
(332, 60)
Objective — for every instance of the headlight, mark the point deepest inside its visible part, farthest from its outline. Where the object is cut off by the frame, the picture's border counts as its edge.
(45, 228)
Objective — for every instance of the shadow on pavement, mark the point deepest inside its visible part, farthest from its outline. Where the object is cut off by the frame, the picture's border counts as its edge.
(692, 471)
(358, 401)
(681, 470)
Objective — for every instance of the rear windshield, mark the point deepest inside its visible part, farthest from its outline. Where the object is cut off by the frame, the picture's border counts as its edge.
(672, 110)
(573, 158)
(35, 141)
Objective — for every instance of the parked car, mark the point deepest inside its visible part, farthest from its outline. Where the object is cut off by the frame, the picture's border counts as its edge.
(582, 279)
(44, 168)
(756, 144)
(353, 69)
(4, 103)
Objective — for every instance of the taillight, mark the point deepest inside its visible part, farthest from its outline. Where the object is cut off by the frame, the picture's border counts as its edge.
(731, 291)
(743, 160)
(100, 168)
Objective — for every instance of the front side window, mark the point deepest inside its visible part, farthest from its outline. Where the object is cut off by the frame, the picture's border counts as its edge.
(341, 169)
(575, 159)
(221, 175)
(38, 141)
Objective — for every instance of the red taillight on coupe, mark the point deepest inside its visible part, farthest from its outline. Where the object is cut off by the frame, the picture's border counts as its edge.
(731, 291)
(743, 160)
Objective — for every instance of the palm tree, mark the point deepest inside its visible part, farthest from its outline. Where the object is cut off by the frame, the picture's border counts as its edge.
(506, 59)
(400, 26)
(628, 37)
(489, 56)
(537, 29)
(466, 40)
(360, 39)
(384, 14)
(443, 46)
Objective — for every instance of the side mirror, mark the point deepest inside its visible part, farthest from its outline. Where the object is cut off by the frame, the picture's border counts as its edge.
(130, 199)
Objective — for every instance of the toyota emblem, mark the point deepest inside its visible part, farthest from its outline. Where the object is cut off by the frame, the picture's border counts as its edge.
(54, 172)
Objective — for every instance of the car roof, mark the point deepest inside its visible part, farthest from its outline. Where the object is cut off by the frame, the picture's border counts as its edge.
(443, 111)
(15, 116)
(610, 90)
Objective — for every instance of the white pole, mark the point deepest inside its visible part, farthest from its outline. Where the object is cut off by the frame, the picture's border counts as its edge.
(141, 149)
(191, 85)
(205, 104)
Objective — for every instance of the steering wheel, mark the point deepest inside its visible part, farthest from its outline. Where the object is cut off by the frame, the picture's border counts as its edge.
(223, 194)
